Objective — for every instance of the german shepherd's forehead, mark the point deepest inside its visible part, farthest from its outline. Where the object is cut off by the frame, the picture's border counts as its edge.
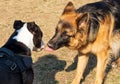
(70, 18)
(67, 23)
(64, 26)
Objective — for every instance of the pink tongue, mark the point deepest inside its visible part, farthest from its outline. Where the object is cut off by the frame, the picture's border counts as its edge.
(49, 49)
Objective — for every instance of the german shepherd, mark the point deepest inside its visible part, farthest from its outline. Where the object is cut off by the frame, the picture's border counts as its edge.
(91, 29)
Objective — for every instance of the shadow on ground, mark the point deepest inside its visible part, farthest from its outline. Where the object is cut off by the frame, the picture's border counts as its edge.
(90, 66)
(46, 68)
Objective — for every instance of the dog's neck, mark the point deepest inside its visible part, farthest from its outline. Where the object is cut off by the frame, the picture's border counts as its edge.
(18, 48)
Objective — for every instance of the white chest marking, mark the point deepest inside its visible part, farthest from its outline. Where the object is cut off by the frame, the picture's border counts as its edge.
(25, 36)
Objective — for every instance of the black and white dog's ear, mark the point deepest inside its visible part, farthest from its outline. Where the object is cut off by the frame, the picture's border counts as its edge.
(18, 24)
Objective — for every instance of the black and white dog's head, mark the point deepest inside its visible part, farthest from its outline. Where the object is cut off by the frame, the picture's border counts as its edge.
(29, 34)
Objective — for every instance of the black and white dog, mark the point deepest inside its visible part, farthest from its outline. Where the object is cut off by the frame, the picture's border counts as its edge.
(15, 55)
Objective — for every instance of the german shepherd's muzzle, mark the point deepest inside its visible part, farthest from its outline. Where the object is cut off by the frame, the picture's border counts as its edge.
(93, 28)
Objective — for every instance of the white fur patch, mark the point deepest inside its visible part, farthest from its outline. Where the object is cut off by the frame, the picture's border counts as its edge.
(25, 36)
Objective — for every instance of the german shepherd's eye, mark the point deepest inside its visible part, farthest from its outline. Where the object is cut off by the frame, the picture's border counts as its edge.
(64, 35)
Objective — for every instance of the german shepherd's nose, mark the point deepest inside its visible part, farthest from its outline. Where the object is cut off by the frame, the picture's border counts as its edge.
(50, 46)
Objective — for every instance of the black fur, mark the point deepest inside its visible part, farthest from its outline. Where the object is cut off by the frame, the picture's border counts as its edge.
(33, 28)
(18, 24)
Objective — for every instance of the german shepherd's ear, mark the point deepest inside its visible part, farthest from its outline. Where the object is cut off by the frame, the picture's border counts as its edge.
(86, 26)
(17, 24)
(82, 20)
(69, 8)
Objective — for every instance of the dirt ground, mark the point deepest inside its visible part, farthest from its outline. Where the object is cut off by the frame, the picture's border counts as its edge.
(56, 67)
